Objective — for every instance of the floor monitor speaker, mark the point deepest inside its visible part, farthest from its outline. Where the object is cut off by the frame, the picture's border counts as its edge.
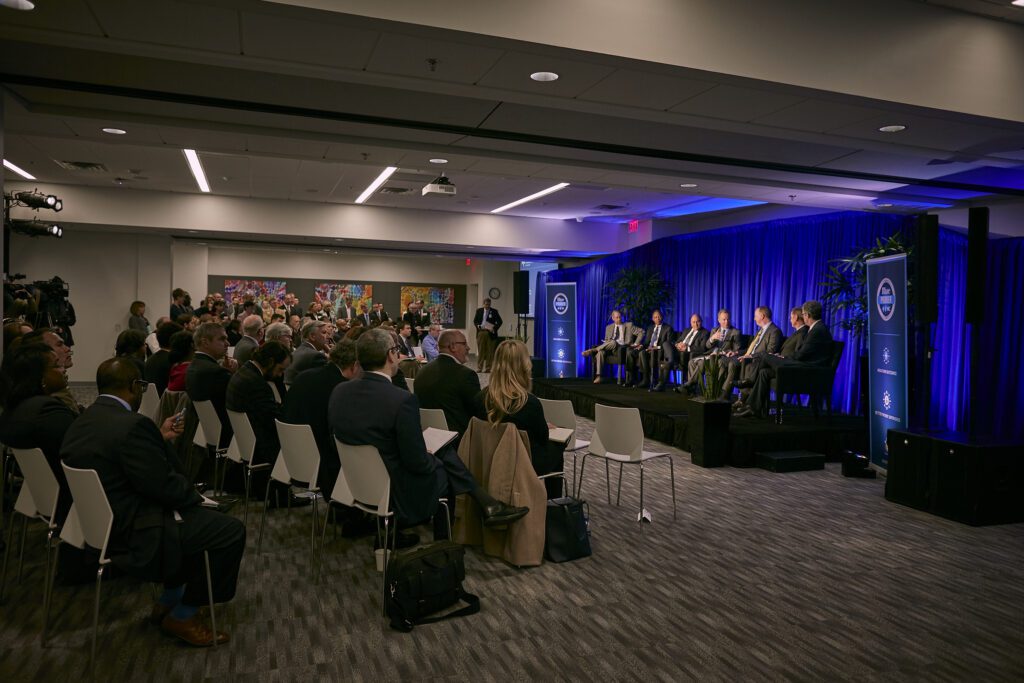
(927, 286)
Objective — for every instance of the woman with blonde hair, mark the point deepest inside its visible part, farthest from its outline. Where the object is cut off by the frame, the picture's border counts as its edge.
(507, 398)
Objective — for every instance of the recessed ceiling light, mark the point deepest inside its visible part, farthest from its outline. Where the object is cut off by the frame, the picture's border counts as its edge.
(544, 76)
(530, 198)
(687, 184)
(439, 161)
(384, 175)
(20, 171)
(197, 169)
(892, 129)
(18, 4)
(115, 131)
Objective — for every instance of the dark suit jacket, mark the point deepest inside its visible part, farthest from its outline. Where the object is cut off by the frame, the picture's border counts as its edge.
(158, 369)
(249, 393)
(793, 342)
(699, 345)
(379, 316)
(771, 340)
(244, 348)
(41, 422)
(374, 411)
(304, 357)
(365, 317)
(665, 336)
(445, 384)
(143, 483)
(731, 342)
(306, 404)
(406, 345)
(493, 317)
(207, 380)
(345, 313)
(817, 346)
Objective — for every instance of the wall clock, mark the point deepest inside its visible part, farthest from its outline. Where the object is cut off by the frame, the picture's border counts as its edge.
(494, 293)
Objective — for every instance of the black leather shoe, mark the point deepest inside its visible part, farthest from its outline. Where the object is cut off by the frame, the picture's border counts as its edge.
(745, 411)
(499, 513)
(658, 387)
(744, 384)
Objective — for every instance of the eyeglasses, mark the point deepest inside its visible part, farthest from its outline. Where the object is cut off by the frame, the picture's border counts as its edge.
(397, 349)
(142, 383)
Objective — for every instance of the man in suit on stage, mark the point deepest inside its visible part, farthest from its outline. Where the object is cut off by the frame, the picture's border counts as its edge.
(487, 322)
(767, 340)
(814, 351)
(690, 343)
(310, 353)
(372, 411)
(160, 532)
(724, 338)
(210, 371)
(618, 336)
(447, 384)
(789, 347)
(657, 344)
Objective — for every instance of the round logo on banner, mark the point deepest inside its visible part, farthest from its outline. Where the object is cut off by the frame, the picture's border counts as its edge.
(886, 299)
(560, 303)
(561, 353)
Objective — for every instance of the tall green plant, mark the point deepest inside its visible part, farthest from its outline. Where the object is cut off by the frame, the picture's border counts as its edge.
(712, 383)
(636, 292)
(846, 283)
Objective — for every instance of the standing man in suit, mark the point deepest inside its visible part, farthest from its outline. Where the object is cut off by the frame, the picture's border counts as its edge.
(364, 315)
(310, 353)
(378, 315)
(418, 320)
(658, 344)
(345, 310)
(291, 306)
(767, 340)
(160, 532)
(249, 392)
(618, 336)
(252, 330)
(306, 404)
(487, 322)
(210, 371)
(814, 351)
(447, 383)
(692, 343)
(724, 338)
(373, 411)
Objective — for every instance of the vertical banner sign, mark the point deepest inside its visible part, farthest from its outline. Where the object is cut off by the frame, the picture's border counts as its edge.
(887, 351)
(560, 298)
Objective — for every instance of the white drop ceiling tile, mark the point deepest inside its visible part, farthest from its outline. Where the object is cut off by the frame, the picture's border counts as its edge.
(34, 124)
(937, 134)
(204, 140)
(573, 174)
(505, 167)
(68, 16)
(735, 103)
(649, 91)
(135, 133)
(269, 188)
(273, 167)
(294, 147)
(896, 165)
(410, 56)
(513, 71)
(219, 166)
(818, 116)
(368, 154)
(325, 43)
(166, 22)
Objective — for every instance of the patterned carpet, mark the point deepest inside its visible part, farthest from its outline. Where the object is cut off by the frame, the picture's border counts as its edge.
(804, 576)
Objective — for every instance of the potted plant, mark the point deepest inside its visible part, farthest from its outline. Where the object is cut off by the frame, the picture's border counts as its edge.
(636, 292)
(709, 418)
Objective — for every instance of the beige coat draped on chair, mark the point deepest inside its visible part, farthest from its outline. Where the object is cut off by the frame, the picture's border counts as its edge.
(499, 458)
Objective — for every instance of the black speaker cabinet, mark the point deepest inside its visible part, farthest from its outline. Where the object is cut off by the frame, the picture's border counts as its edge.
(521, 292)
(926, 288)
(977, 264)
(977, 484)
(908, 478)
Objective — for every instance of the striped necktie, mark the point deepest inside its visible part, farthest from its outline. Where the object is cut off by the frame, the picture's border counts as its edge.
(753, 344)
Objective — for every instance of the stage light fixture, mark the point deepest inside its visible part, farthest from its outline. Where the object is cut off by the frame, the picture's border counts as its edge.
(35, 228)
(37, 200)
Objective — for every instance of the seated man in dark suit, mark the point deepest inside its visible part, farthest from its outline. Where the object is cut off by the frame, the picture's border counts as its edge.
(249, 392)
(724, 338)
(651, 351)
(789, 348)
(691, 343)
(815, 351)
(310, 353)
(447, 383)
(252, 330)
(373, 411)
(210, 371)
(767, 340)
(160, 530)
(306, 404)
(158, 365)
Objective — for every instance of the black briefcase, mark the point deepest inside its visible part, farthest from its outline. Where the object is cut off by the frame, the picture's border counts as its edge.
(424, 581)
(567, 530)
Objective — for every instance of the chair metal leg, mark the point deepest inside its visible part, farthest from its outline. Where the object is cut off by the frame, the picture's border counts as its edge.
(95, 619)
(21, 553)
(7, 555)
(608, 481)
(618, 491)
(447, 516)
(48, 602)
(312, 543)
(672, 473)
(46, 583)
(209, 592)
(323, 534)
(263, 519)
(384, 574)
(245, 503)
(583, 465)
(642, 515)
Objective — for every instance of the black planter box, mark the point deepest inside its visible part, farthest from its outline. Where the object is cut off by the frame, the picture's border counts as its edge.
(790, 461)
(708, 432)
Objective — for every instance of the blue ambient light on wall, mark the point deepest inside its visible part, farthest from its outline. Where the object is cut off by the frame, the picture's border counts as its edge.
(705, 206)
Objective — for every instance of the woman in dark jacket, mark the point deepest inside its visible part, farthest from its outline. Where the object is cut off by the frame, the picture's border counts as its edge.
(137, 317)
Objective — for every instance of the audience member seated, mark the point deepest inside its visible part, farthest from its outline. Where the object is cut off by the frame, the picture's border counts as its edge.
(295, 323)
(179, 356)
(158, 365)
(447, 383)
(209, 373)
(152, 343)
(507, 398)
(137, 317)
(618, 336)
(188, 321)
(278, 332)
(306, 403)
(252, 330)
(723, 339)
(178, 306)
(310, 353)
(65, 360)
(689, 344)
(249, 392)
(32, 417)
(372, 411)
(429, 343)
(405, 340)
(131, 344)
(160, 530)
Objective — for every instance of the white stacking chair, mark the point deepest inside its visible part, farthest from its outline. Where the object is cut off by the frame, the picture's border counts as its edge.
(410, 382)
(561, 414)
(240, 452)
(619, 437)
(37, 500)
(208, 435)
(433, 417)
(150, 406)
(89, 524)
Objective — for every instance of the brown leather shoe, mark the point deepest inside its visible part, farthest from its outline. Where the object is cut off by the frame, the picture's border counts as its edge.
(157, 614)
(195, 631)
(587, 352)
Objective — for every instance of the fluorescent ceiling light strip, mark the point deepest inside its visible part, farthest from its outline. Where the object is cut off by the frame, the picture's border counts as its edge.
(20, 171)
(384, 175)
(535, 195)
(197, 169)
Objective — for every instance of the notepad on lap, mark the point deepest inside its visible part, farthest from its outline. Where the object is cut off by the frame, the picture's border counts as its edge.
(436, 439)
(560, 434)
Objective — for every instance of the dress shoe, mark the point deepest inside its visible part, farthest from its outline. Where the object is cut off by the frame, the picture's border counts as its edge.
(405, 539)
(744, 384)
(195, 631)
(597, 380)
(738, 405)
(745, 411)
(157, 614)
(499, 513)
(660, 386)
(588, 352)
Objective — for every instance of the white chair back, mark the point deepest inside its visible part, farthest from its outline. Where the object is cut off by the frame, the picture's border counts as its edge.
(299, 451)
(244, 443)
(433, 417)
(209, 421)
(618, 431)
(42, 486)
(364, 481)
(71, 533)
(280, 471)
(410, 382)
(150, 406)
(91, 507)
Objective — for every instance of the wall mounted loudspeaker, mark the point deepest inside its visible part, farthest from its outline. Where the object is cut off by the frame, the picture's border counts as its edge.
(977, 260)
(927, 286)
(521, 292)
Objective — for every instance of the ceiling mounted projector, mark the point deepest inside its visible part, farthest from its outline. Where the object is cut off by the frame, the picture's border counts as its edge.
(441, 185)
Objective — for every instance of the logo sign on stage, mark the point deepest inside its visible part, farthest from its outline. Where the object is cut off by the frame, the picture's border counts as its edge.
(561, 328)
(887, 351)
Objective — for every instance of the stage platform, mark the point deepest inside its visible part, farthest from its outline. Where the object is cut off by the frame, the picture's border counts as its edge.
(664, 417)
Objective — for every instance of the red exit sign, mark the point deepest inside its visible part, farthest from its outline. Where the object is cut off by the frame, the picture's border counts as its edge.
(634, 226)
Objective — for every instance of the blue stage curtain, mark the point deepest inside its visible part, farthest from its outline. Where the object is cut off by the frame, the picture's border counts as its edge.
(950, 361)
(779, 264)
(1001, 370)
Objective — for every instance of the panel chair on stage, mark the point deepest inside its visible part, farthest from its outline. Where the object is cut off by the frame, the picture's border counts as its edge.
(816, 382)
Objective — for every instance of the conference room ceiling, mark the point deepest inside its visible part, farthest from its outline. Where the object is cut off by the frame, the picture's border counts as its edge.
(293, 104)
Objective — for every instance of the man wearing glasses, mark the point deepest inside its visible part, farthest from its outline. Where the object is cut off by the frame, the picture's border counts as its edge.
(447, 383)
